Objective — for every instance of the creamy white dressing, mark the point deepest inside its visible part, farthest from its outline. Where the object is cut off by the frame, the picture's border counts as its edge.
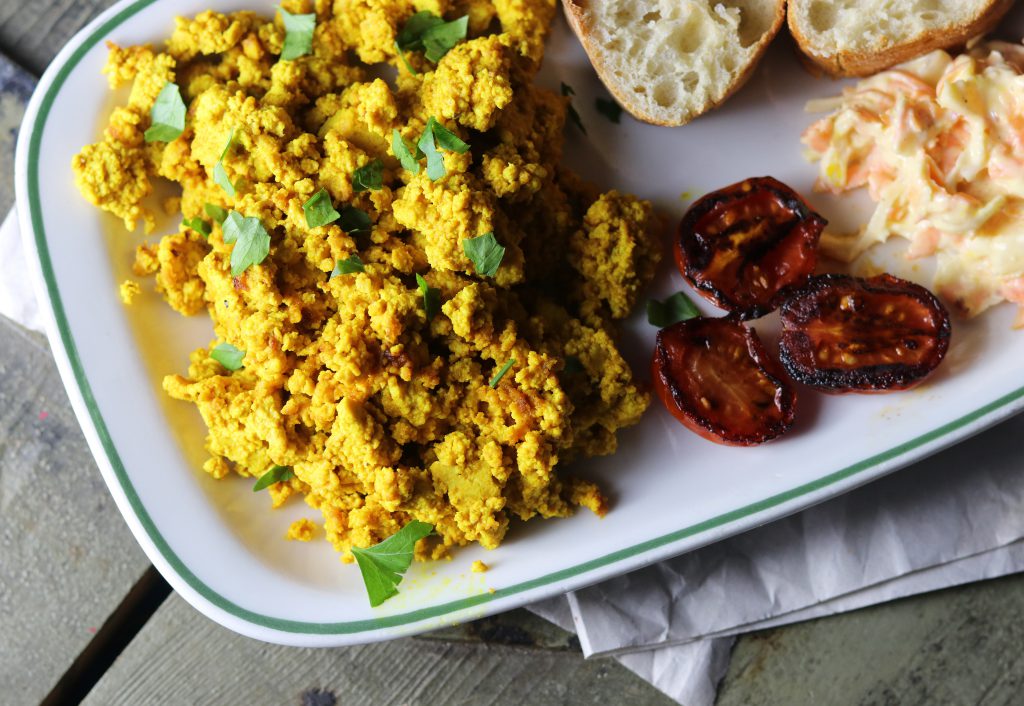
(939, 143)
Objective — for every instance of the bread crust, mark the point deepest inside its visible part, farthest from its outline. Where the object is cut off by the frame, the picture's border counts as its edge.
(859, 63)
(575, 11)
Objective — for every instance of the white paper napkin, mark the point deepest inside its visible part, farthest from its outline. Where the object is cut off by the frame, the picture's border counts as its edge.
(958, 504)
(17, 298)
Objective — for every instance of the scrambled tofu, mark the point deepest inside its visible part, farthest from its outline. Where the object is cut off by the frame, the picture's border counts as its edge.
(385, 414)
(303, 530)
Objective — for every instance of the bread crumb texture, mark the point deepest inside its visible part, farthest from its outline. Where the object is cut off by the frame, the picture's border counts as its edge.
(672, 59)
(386, 415)
(874, 25)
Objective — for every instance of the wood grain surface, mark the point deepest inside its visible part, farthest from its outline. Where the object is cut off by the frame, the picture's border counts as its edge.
(957, 646)
(32, 32)
(66, 556)
(224, 668)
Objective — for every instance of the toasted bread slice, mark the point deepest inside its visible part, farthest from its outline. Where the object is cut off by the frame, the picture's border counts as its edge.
(668, 61)
(862, 37)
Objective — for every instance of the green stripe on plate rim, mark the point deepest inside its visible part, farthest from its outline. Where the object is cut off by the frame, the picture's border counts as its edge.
(295, 626)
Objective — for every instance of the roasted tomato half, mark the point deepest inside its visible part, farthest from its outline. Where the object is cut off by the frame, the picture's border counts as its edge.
(715, 377)
(847, 334)
(745, 247)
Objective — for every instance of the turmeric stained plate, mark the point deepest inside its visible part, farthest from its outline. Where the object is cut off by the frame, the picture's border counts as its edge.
(224, 551)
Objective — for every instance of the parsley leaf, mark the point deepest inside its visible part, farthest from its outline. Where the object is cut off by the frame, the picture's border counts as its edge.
(609, 109)
(319, 210)
(220, 175)
(228, 356)
(446, 139)
(369, 176)
(408, 66)
(485, 252)
(402, 150)
(298, 34)
(439, 39)
(167, 116)
(227, 146)
(198, 225)
(437, 135)
(252, 242)
(431, 297)
(501, 373)
(277, 474)
(435, 162)
(354, 221)
(429, 33)
(573, 115)
(676, 308)
(216, 212)
(348, 266)
(384, 564)
(410, 37)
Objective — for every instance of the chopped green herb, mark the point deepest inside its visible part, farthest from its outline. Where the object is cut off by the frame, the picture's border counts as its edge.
(410, 37)
(227, 145)
(676, 308)
(609, 109)
(485, 253)
(298, 34)
(437, 135)
(167, 117)
(430, 34)
(573, 365)
(369, 176)
(445, 138)
(277, 474)
(319, 210)
(408, 66)
(220, 175)
(501, 373)
(216, 212)
(252, 242)
(348, 266)
(431, 297)
(402, 150)
(573, 115)
(435, 161)
(383, 565)
(354, 221)
(439, 39)
(228, 356)
(198, 225)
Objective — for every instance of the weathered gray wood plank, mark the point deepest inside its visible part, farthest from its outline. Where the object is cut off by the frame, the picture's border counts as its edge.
(516, 628)
(180, 657)
(960, 646)
(66, 556)
(15, 89)
(31, 33)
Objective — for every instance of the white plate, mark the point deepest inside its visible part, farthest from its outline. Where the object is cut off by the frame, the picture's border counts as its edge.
(224, 551)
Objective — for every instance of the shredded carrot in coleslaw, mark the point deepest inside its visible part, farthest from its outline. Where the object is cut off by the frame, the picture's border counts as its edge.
(939, 144)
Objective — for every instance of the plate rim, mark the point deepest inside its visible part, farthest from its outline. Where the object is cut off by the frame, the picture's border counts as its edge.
(305, 633)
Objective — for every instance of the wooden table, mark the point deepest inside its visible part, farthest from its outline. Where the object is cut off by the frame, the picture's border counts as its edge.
(83, 616)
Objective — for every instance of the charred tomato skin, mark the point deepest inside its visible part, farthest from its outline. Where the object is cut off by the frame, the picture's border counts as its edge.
(895, 333)
(769, 404)
(747, 246)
